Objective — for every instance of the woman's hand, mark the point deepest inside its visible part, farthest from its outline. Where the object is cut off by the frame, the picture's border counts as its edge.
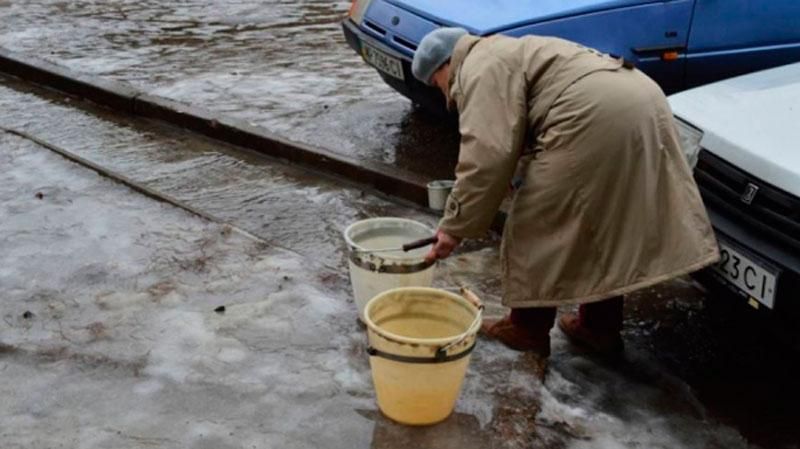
(442, 249)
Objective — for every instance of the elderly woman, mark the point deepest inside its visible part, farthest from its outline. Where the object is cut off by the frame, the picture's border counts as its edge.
(607, 204)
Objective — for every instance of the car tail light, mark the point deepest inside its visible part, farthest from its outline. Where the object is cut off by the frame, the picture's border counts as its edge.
(357, 10)
(690, 138)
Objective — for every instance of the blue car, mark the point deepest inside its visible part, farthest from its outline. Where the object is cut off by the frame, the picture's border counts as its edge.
(679, 43)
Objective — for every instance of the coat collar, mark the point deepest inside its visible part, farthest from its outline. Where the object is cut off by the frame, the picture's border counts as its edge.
(460, 52)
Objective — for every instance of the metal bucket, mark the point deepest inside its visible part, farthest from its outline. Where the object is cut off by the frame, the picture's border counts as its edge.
(438, 191)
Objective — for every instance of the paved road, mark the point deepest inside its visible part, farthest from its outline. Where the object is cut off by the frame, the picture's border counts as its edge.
(696, 376)
(279, 64)
(121, 347)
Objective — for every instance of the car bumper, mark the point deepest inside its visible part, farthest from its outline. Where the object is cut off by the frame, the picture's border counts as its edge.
(419, 93)
(785, 259)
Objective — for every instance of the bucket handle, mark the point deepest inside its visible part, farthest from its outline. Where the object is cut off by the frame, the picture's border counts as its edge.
(470, 296)
(473, 299)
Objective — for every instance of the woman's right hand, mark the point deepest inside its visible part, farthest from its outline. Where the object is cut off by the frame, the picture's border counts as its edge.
(442, 249)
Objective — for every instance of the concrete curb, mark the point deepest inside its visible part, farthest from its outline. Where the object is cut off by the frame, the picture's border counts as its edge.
(123, 97)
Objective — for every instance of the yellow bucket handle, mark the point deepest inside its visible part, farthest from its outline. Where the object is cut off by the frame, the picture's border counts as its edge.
(475, 301)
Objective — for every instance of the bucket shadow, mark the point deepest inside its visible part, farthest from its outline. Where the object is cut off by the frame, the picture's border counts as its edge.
(459, 431)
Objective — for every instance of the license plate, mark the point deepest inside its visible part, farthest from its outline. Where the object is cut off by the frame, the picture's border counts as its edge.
(754, 279)
(383, 62)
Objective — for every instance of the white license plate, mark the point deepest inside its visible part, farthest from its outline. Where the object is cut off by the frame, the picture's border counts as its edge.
(383, 62)
(752, 278)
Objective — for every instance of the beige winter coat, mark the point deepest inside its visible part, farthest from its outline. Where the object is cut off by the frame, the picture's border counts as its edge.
(607, 203)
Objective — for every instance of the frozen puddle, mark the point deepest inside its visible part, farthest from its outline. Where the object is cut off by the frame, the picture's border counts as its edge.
(110, 339)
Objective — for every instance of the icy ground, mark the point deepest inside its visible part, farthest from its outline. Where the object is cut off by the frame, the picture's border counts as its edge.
(110, 336)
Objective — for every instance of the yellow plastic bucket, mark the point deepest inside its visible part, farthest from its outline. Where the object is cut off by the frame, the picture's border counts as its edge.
(420, 340)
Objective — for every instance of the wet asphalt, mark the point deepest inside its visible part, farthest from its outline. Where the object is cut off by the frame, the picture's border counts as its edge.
(697, 372)
(283, 65)
(701, 372)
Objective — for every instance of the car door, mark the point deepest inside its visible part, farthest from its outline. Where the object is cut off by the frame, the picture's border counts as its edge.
(732, 37)
(652, 34)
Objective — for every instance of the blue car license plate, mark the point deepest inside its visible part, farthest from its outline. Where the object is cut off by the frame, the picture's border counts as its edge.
(381, 61)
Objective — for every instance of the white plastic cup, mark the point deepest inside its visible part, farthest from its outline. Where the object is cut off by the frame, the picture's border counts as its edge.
(438, 191)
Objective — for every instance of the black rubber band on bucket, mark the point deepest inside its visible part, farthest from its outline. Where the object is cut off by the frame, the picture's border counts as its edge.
(389, 268)
(440, 357)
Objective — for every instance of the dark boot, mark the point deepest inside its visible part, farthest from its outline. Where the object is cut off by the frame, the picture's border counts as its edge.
(597, 326)
(523, 330)
(514, 337)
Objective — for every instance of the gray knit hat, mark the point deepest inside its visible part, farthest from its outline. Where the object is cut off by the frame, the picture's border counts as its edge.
(434, 50)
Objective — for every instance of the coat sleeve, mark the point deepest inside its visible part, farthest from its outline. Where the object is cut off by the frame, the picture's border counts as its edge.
(493, 109)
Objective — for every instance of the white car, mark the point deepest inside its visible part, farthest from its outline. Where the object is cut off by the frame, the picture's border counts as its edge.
(742, 136)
